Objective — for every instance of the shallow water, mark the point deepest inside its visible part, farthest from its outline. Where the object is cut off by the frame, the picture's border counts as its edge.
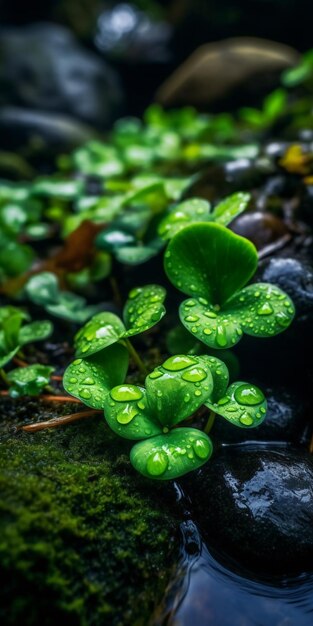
(208, 593)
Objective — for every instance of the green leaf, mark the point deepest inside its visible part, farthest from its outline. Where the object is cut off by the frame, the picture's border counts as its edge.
(16, 258)
(166, 457)
(60, 189)
(29, 381)
(274, 104)
(11, 327)
(36, 331)
(218, 329)
(135, 255)
(43, 288)
(144, 308)
(210, 261)
(262, 309)
(227, 210)
(103, 330)
(178, 388)
(113, 238)
(185, 213)
(5, 356)
(180, 341)
(243, 405)
(91, 379)
(220, 376)
(125, 410)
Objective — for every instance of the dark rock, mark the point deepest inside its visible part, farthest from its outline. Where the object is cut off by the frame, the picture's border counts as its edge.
(227, 71)
(256, 507)
(261, 228)
(296, 280)
(40, 133)
(44, 68)
(82, 541)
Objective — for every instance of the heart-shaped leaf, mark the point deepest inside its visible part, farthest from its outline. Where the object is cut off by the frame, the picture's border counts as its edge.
(144, 308)
(91, 379)
(210, 261)
(125, 410)
(178, 388)
(43, 288)
(103, 330)
(29, 381)
(226, 211)
(166, 457)
(193, 210)
(216, 328)
(262, 309)
(243, 405)
(35, 331)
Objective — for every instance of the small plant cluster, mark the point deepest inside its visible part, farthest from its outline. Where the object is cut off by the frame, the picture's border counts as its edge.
(122, 203)
(209, 262)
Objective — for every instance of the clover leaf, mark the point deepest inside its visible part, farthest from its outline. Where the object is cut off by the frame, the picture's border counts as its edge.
(243, 405)
(143, 310)
(13, 335)
(213, 265)
(29, 381)
(173, 392)
(90, 379)
(199, 210)
(43, 289)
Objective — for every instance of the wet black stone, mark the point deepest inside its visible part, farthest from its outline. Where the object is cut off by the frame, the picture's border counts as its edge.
(296, 280)
(256, 507)
(43, 67)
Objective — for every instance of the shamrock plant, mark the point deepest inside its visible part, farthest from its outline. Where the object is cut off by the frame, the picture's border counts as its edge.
(43, 289)
(143, 309)
(213, 265)
(14, 334)
(199, 210)
(29, 380)
(150, 415)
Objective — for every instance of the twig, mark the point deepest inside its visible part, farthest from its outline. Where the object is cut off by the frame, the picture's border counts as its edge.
(59, 421)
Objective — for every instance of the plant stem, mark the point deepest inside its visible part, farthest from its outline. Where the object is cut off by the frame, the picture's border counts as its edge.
(49, 398)
(210, 422)
(19, 362)
(4, 376)
(136, 358)
(59, 421)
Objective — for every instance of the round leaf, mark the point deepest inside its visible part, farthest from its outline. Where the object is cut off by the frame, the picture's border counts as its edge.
(226, 211)
(243, 405)
(36, 331)
(193, 210)
(263, 310)
(29, 381)
(91, 379)
(144, 308)
(210, 261)
(103, 330)
(125, 410)
(216, 328)
(43, 288)
(178, 388)
(166, 457)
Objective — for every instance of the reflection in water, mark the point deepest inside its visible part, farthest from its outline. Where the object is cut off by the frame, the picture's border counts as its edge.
(212, 595)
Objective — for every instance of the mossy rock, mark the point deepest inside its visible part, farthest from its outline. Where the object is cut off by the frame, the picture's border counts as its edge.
(83, 540)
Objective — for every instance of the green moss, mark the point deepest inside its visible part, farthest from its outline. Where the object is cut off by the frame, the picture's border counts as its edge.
(81, 538)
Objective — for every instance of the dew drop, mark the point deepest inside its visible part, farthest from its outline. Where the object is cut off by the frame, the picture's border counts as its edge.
(210, 314)
(223, 401)
(85, 393)
(221, 338)
(207, 331)
(157, 463)
(89, 381)
(191, 318)
(77, 361)
(249, 395)
(127, 415)
(265, 309)
(124, 393)
(194, 375)
(202, 448)
(178, 362)
(73, 380)
(155, 374)
(246, 419)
